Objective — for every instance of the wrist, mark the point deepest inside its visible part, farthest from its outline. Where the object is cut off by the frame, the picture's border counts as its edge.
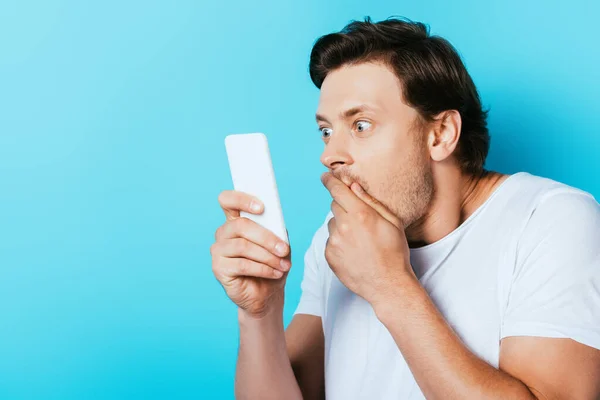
(400, 294)
(273, 312)
(264, 332)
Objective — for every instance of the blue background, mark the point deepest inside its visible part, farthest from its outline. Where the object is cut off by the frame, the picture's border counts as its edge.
(112, 120)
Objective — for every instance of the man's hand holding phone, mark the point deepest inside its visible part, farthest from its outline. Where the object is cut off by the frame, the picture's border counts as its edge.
(249, 261)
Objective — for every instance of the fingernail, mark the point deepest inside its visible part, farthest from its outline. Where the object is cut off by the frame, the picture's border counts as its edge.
(277, 273)
(280, 249)
(285, 264)
(357, 187)
(254, 206)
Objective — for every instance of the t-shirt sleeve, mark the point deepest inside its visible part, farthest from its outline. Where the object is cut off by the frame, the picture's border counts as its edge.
(555, 290)
(311, 299)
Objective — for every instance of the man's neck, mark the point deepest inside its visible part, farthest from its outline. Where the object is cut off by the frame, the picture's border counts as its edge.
(456, 197)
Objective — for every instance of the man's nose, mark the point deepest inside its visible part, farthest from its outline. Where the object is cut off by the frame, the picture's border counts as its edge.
(336, 153)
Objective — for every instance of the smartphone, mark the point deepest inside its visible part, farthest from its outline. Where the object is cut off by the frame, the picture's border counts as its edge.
(252, 172)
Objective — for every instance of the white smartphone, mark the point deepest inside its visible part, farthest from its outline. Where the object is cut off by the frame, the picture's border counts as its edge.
(252, 172)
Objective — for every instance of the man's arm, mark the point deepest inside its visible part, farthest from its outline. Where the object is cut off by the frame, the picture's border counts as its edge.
(306, 350)
(273, 364)
(553, 368)
(530, 367)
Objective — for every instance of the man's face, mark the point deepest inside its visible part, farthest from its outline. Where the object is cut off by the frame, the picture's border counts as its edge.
(378, 142)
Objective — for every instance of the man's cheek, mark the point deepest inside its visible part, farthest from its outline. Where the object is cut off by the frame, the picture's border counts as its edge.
(379, 195)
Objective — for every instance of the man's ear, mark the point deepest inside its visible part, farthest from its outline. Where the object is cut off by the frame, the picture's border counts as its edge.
(443, 138)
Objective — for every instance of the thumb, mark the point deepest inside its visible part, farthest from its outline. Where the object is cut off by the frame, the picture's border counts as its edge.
(376, 204)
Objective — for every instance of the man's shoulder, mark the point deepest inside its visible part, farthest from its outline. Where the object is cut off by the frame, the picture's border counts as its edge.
(548, 195)
(558, 213)
(531, 193)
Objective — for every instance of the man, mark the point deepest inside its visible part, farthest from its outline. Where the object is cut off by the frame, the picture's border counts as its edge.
(431, 277)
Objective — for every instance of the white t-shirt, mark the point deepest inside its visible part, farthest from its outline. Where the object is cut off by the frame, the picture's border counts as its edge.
(525, 263)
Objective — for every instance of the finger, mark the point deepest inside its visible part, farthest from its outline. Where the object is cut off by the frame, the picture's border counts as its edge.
(289, 254)
(337, 210)
(255, 233)
(376, 204)
(242, 248)
(244, 267)
(341, 193)
(232, 202)
(331, 226)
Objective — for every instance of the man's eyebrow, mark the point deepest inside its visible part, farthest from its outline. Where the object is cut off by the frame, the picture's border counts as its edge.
(348, 113)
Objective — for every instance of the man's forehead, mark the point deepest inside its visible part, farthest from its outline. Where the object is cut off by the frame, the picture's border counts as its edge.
(350, 110)
(368, 84)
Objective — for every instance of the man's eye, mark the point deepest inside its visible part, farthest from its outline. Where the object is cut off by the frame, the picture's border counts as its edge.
(325, 132)
(361, 126)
